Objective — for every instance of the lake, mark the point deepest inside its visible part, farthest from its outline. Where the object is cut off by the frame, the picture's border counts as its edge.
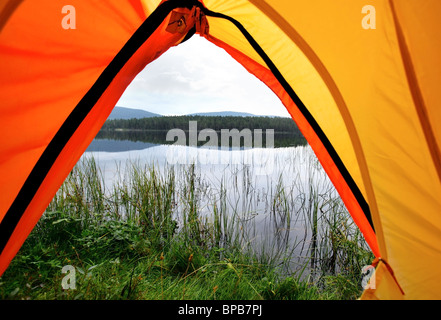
(279, 199)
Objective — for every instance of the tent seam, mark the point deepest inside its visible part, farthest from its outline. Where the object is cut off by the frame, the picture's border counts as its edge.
(415, 90)
(338, 98)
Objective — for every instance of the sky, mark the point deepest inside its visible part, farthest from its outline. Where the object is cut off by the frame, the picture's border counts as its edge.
(197, 76)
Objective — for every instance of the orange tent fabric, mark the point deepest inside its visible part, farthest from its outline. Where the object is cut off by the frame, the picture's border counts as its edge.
(360, 81)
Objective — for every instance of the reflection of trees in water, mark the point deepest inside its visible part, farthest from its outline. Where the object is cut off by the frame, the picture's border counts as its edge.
(281, 139)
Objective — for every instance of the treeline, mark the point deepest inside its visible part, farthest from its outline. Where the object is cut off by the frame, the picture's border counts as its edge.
(165, 123)
(154, 129)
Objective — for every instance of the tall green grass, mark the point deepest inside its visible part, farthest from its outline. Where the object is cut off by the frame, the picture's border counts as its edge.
(154, 235)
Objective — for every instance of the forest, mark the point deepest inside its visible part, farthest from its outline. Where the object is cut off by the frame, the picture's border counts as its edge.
(145, 129)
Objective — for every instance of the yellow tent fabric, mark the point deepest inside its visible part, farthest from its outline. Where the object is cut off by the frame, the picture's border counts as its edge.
(360, 81)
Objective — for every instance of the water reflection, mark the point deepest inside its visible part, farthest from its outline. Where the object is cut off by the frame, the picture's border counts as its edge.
(278, 212)
(110, 145)
(157, 137)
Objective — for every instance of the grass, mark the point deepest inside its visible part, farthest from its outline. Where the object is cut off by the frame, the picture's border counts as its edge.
(150, 237)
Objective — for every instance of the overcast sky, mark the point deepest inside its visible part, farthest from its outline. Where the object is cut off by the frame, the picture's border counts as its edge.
(197, 76)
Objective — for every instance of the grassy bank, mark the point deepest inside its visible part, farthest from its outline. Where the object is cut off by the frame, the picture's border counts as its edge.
(146, 238)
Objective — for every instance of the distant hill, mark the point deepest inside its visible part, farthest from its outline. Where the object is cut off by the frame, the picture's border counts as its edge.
(226, 114)
(129, 113)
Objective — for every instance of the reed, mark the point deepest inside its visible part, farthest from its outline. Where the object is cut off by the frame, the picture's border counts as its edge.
(175, 233)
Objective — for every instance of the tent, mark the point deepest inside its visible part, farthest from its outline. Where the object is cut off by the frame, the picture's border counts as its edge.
(360, 78)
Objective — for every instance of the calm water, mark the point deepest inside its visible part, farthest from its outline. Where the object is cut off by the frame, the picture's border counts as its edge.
(268, 191)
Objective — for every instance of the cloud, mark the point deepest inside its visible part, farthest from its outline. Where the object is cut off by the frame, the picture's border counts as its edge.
(197, 76)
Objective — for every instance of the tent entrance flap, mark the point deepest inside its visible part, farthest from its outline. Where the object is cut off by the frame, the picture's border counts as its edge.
(147, 43)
